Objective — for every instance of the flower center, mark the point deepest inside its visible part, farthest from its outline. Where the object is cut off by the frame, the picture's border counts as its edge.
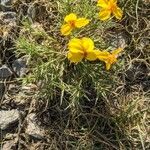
(85, 54)
(84, 51)
(72, 23)
(112, 7)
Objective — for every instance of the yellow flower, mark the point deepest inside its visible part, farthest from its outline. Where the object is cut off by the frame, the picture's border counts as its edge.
(81, 48)
(109, 58)
(109, 7)
(71, 22)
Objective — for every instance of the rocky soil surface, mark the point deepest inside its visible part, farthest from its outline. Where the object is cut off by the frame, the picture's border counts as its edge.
(16, 116)
(19, 119)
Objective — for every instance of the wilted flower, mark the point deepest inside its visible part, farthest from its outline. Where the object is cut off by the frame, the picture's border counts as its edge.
(109, 58)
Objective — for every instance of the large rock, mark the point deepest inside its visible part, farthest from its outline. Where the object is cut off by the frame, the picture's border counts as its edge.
(20, 66)
(8, 118)
(33, 129)
(5, 72)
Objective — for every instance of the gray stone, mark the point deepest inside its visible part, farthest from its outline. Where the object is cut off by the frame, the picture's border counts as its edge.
(6, 5)
(33, 129)
(8, 118)
(5, 72)
(20, 66)
(6, 2)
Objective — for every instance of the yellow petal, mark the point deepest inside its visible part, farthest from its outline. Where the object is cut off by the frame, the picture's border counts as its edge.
(75, 57)
(118, 13)
(102, 58)
(102, 55)
(117, 51)
(66, 29)
(91, 55)
(102, 3)
(113, 1)
(81, 22)
(87, 44)
(108, 65)
(104, 14)
(70, 17)
(97, 52)
(75, 45)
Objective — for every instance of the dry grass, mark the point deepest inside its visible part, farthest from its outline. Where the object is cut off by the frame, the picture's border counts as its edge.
(83, 106)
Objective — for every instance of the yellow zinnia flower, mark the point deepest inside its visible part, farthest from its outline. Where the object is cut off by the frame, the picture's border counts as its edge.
(71, 22)
(109, 58)
(109, 7)
(81, 48)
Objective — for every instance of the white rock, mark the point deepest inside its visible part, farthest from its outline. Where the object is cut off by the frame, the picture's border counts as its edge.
(8, 118)
(32, 128)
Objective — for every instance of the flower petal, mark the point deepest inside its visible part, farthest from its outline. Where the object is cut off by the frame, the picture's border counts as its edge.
(117, 51)
(118, 13)
(97, 52)
(103, 55)
(108, 65)
(81, 22)
(87, 44)
(91, 55)
(66, 29)
(102, 58)
(70, 17)
(102, 3)
(75, 45)
(113, 1)
(75, 57)
(104, 14)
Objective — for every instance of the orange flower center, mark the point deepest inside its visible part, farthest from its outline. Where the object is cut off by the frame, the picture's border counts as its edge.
(112, 7)
(85, 54)
(72, 24)
(84, 51)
